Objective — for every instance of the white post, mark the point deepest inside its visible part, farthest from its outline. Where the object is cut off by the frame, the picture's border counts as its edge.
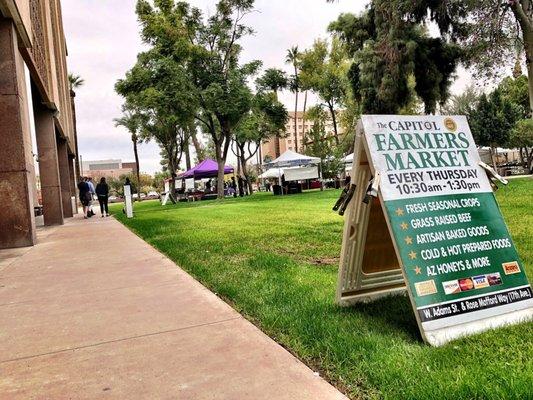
(128, 204)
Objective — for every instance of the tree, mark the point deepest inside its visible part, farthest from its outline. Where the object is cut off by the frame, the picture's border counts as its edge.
(273, 80)
(318, 143)
(267, 118)
(220, 82)
(516, 90)
(462, 104)
(75, 82)
(324, 69)
(158, 181)
(131, 122)
(388, 49)
(193, 71)
(488, 30)
(293, 58)
(158, 89)
(522, 137)
(493, 120)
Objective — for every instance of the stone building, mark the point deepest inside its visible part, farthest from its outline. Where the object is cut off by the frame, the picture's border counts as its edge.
(274, 147)
(34, 87)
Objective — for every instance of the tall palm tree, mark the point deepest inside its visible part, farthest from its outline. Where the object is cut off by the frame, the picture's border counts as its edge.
(75, 82)
(130, 121)
(293, 56)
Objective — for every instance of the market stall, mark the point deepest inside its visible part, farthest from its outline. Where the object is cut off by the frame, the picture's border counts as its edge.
(291, 167)
(204, 172)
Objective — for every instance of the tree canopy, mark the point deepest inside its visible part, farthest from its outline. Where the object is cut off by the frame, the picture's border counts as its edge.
(192, 72)
(387, 49)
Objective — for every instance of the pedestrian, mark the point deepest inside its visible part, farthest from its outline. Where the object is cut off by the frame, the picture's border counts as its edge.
(85, 196)
(241, 186)
(93, 193)
(102, 191)
(234, 186)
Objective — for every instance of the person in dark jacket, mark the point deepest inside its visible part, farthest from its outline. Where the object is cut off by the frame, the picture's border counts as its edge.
(234, 186)
(85, 196)
(102, 191)
(240, 184)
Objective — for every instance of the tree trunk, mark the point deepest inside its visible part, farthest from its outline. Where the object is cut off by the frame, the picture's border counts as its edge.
(523, 16)
(493, 157)
(220, 176)
(303, 116)
(187, 154)
(75, 129)
(334, 120)
(277, 149)
(528, 45)
(296, 123)
(137, 172)
(197, 145)
(243, 164)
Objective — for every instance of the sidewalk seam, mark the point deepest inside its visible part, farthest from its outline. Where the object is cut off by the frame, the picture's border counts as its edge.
(120, 340)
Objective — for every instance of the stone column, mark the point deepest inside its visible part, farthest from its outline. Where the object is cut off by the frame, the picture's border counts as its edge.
(17, 220)
(64, 177)
(72, 178)
(48, 165)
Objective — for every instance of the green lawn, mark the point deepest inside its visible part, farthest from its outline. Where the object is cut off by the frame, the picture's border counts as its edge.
(276, 259)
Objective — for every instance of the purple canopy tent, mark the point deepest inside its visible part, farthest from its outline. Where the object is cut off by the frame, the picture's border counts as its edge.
(206, 169)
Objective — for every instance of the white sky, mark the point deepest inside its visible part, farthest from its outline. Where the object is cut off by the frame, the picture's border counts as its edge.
(103, 42)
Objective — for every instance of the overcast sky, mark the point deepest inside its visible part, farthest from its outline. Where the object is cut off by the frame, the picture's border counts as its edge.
(103, 42)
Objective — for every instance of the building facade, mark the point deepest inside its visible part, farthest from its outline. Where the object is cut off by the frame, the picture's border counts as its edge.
(108, 168)
(34, 87)
(274, 147)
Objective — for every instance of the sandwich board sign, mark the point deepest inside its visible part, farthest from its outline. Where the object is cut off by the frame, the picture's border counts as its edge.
(422, 218)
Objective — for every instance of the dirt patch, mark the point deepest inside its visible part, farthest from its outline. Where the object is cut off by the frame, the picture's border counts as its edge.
(325, 261)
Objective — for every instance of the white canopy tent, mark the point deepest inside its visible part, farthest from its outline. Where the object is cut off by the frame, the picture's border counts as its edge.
(294, 166)
(292, 173)
(348, 164)
(292, 159)
(348, 159)
(271, 173)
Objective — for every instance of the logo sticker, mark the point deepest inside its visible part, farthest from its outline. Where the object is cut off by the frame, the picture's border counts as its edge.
(450, 124)
(494, 279)
(451, 287)
(511, 268)
(480, 281)
(466, 284)
(425, 288)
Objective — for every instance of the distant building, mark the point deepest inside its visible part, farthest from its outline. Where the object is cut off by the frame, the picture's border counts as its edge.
(274, 147)
(114, 168)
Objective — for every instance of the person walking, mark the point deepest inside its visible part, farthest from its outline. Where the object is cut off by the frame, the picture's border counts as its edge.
(240, 183)
(85, 196)
(93, 193)
(234, 186)
(102, 191)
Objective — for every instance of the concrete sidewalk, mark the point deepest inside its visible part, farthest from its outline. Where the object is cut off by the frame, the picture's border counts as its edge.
(94, 312)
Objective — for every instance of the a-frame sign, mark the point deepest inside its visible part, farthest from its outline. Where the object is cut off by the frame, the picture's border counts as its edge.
(421, 217)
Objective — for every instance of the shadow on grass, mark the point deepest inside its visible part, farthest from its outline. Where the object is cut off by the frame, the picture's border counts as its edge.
(393, 314)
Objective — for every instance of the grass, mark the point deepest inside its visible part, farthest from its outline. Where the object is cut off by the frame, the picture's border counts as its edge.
(276, 259)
